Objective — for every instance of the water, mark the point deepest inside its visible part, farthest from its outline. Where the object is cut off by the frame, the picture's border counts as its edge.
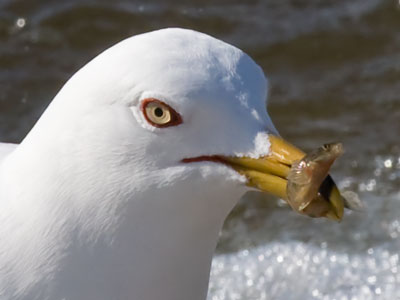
(334, 68)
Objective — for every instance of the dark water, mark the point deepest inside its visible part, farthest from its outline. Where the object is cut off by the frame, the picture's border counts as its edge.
(334, 71)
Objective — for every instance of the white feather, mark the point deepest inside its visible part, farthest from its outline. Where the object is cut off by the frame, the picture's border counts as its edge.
(6, 149)
(95, 203)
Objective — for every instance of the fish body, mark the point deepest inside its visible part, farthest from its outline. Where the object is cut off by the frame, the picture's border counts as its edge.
(309, 184)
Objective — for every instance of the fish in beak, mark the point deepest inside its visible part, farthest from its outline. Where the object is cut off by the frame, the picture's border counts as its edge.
(274, 174)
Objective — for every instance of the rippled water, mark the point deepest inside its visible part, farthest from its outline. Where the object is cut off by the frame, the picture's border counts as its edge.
(334, 70)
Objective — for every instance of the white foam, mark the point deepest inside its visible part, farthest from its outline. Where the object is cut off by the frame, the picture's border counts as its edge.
(296, 270)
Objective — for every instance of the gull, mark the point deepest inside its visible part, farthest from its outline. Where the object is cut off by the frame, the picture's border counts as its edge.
(122, 186)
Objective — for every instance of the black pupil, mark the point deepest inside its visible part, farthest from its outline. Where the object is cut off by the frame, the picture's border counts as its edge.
(158, 112)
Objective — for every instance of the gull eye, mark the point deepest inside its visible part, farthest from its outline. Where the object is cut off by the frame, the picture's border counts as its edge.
(159, 114)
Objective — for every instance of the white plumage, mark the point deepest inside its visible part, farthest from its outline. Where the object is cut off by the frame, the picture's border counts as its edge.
(6, 149)
(95, 203)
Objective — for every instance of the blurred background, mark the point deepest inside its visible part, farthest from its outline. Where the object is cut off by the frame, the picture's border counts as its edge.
(334, 72)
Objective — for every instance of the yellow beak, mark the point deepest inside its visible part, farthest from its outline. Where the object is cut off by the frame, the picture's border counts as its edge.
(269, 174)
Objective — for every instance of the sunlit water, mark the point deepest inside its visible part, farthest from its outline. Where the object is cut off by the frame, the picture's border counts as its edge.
(334, 70)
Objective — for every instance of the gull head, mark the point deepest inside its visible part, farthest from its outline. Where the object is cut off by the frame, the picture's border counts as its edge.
(169, 108)
(143, 152)
(151, 104)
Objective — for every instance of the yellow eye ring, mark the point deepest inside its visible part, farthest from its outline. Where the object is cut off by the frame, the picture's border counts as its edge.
(159, 114)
